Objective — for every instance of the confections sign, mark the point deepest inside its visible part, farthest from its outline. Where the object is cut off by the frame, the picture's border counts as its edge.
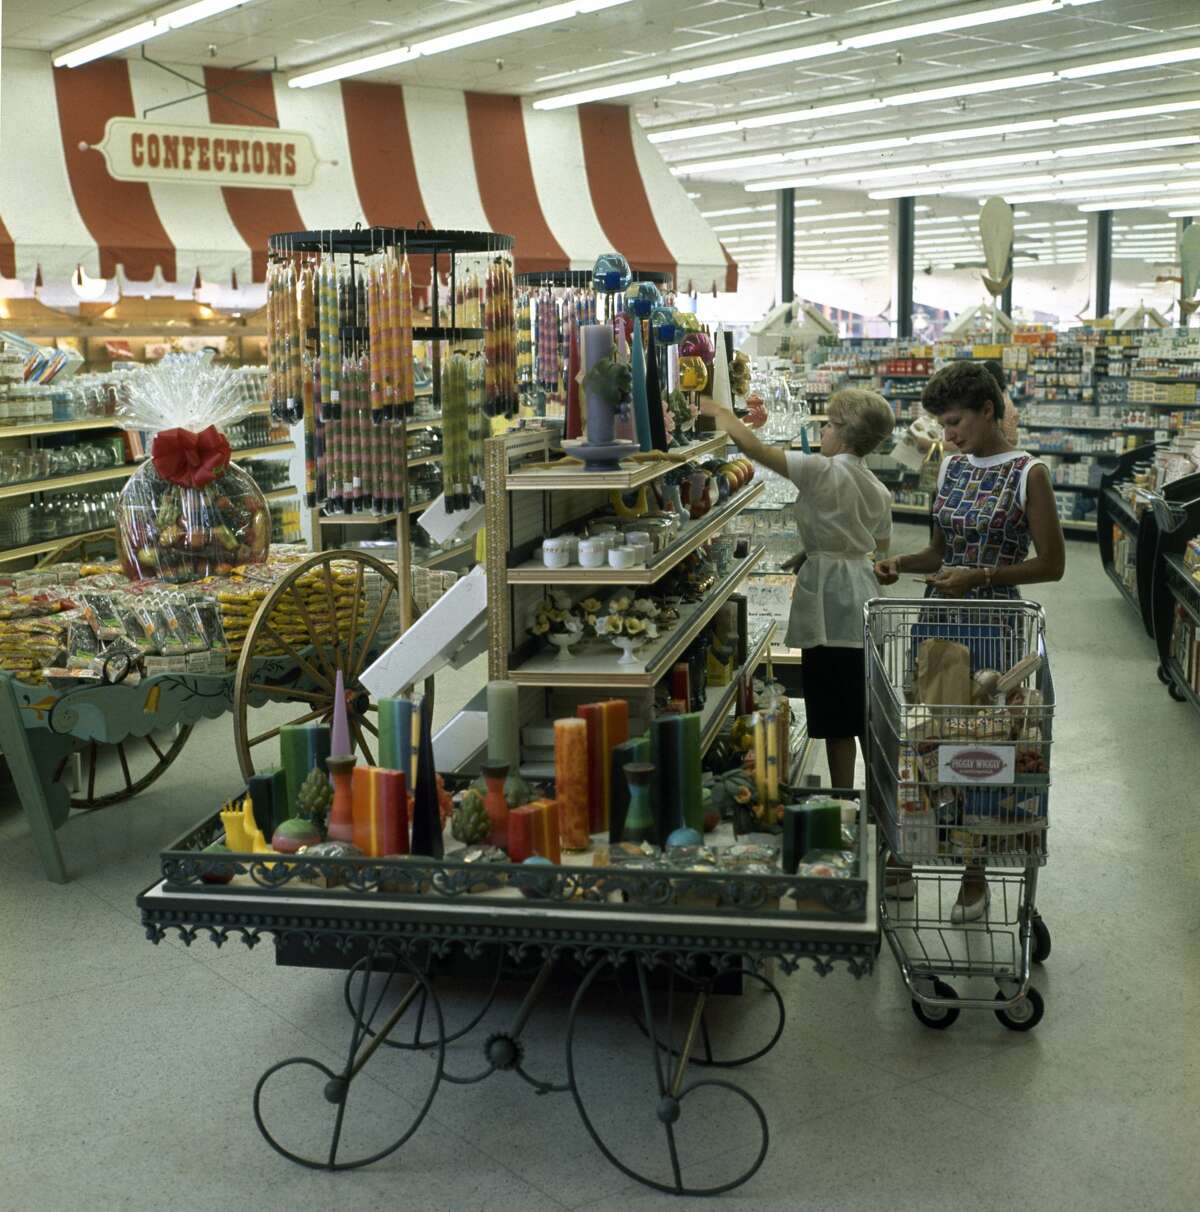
(207, 155)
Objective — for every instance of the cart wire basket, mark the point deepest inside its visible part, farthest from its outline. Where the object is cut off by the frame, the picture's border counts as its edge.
(960, 786)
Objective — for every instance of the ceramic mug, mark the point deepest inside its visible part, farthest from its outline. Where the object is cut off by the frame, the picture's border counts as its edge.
(622, 557)
(593, 553)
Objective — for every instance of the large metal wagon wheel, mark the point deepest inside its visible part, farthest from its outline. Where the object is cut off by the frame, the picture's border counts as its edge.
(313, 623)
(111, 773)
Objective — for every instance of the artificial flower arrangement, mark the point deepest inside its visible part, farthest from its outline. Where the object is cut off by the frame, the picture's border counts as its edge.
(628, 623)
(557, 621)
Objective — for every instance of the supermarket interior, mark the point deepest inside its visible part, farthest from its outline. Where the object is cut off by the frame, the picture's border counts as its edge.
(554, 556)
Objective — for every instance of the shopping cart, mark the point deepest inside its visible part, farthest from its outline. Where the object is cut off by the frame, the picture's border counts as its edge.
(957, 787)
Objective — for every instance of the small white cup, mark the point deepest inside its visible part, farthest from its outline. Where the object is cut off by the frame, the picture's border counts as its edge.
(556, 553)
(622, 557)
(593, 552)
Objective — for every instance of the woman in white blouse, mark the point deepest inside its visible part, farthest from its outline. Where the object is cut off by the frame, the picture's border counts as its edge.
(844, 521)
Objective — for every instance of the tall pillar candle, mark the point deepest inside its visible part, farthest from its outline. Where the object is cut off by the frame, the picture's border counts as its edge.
(396, 736)
(546, 830)
(268, 795)
(426, 819)
(393, 798)
(571, 782)
(760, 759)
(641, 409)
(504, 723)
(573, 427)
(666, 752)
(597, 345)
(302, 747)
(692, 793)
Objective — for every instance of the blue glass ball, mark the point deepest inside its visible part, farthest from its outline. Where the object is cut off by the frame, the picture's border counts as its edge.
(610, 273)
(667, 329)
(642, 298)
(684, 837)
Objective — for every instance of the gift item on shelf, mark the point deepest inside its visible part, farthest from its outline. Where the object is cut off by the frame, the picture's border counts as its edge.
(571, 781)
(188, 512)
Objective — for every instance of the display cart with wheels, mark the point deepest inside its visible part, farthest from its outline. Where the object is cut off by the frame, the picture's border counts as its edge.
(646, 950)
(960, 788)
(1175, 599)
(332, 612)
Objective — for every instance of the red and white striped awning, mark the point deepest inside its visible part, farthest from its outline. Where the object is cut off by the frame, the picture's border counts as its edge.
(568, 184)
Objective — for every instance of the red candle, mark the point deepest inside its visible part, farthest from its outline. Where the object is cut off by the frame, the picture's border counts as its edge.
(393, 801)
(523, 831)
(681, 685)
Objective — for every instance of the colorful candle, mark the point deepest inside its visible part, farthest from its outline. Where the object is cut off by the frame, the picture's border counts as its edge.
(340, 740)
(504, 723)
(393, 799)
(640, 823)
(494, 803)
(523, 832)
(396, 735)
(301, 748)
(760, 759)
(366, 810)
(681, 684)
(269, 798)
(691, 788)
(666, 753)
(427, 821)
(641, 407)
(637, 750)
(546, 840)
(571, 782)
(597, 345)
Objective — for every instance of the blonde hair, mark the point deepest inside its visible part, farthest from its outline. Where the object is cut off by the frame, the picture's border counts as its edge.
(864, 417)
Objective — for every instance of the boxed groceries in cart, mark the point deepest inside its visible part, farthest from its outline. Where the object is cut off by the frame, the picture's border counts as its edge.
(959, 711)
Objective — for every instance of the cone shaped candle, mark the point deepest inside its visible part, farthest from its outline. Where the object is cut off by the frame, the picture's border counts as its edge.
(654, 405)
(641, 410)
(340, 741)
(427, 821)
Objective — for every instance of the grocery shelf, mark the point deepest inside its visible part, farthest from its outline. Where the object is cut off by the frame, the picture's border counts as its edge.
(446, 557)
(32, 549)
(534, 572)
(278, 494)
(420, 423)
(52, 427)
(630, 475)
(603, 669)
(255, 452)
(53, 483)
(719, 699)
(421, 460)
(355, 519)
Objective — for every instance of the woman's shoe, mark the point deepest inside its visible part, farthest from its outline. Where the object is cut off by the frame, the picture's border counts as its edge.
(972, 903)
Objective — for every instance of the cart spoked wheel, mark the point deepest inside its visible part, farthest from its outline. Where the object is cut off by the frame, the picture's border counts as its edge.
(332, 1120)
(111, 773)
(1041, 940)
(1026, 1014)
(713, 1052)
(333, 613)
(937, 1017)
(660, 1131)
(422, 1032)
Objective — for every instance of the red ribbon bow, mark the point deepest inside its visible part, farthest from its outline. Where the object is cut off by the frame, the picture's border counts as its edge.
(189, 459)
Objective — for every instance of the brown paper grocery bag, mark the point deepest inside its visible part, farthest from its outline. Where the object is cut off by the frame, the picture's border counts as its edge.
(943, 673)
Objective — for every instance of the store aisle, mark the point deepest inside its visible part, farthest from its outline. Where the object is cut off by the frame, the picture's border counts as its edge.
(128, 1069)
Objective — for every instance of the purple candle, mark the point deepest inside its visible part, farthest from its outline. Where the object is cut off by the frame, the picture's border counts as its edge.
(597, 344)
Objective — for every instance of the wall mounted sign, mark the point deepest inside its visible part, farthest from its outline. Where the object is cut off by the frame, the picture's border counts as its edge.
(207, 155)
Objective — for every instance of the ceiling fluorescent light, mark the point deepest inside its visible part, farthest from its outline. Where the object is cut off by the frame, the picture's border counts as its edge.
(1187, 212)
(1184, 54)
(743, 226)
(486, 31)
(176, 17)
(816, 50)
(1129, 111)
(968, 88)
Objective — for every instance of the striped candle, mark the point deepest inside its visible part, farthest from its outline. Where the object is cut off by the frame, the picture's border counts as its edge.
(608, 725)
(546, 830)
(393, 800)
(571, 782)
(302, 747)
(396, 736)
(365, 787)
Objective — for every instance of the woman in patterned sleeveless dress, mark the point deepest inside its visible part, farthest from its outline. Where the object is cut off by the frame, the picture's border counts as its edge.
(993, 500)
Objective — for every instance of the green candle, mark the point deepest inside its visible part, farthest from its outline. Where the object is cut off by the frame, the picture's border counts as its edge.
(637, 750)
(691, 793)
(301, 748)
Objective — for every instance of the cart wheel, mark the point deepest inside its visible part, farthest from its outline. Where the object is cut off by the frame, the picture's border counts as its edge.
(334, 612)
(1026, 1014)
(111, 774)
(1041, 941)
(937, 1017)
(1176, 693)
(1162, 675)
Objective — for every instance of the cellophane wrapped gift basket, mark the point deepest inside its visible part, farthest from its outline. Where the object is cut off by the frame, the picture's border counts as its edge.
(188, 512)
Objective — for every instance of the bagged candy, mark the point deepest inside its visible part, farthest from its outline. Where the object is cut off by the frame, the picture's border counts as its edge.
(188, 512)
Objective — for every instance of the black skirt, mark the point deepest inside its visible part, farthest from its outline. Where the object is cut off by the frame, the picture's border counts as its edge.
(835, 699)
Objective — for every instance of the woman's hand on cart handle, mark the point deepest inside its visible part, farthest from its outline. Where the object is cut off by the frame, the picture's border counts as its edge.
(887, 572)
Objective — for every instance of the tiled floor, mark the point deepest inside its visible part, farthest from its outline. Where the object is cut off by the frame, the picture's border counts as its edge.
(127, 1070)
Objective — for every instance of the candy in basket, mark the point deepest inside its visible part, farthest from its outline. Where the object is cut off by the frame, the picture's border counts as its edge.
(188, 512)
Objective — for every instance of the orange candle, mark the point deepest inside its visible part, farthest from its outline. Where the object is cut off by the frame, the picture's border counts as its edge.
(393, 806)
(571, 782)
(366, 810)
(523, 830)
(545, 830)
